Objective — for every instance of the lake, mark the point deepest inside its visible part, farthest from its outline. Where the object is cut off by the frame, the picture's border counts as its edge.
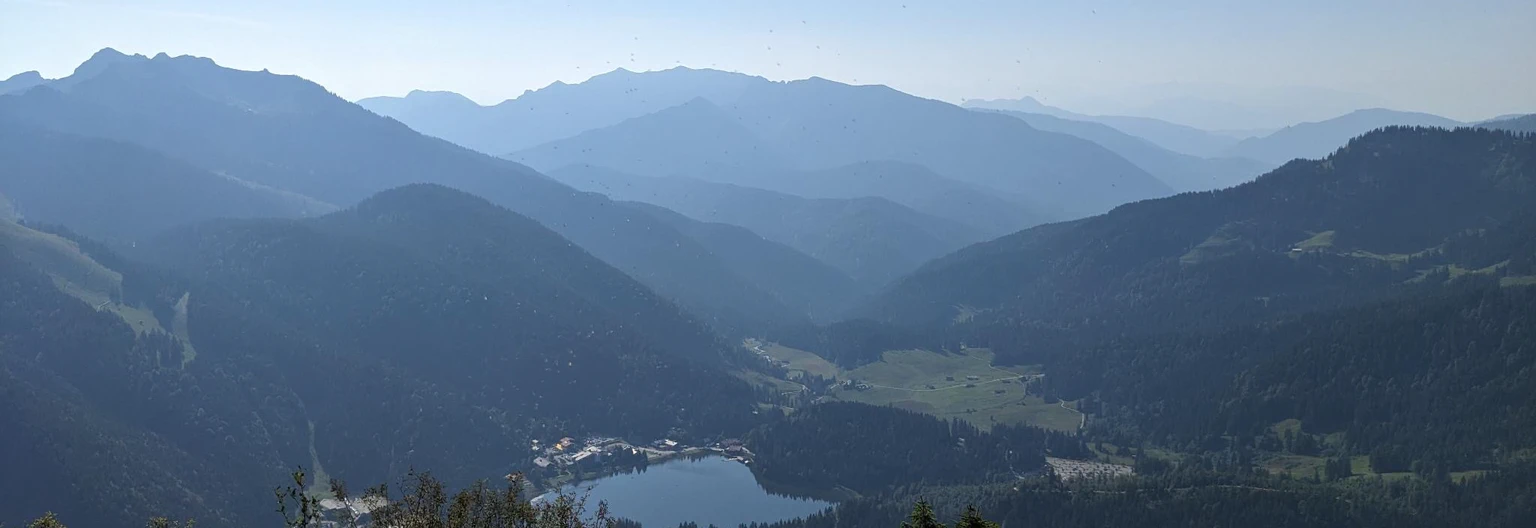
(708, 490)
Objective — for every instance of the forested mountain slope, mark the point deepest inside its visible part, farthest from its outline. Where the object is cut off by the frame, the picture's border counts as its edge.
(1525, 123)
(422, 328)
(1378, 296)
(1375, 214)
(120, 191)
(871, 449)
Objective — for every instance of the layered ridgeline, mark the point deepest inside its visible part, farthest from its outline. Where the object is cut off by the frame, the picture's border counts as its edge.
(286, 133)
(700, 140)
(873, 240)
(1525, 124)
(559, 110)
(812, 124)
(1315, 140)
(1180, 171)
(1178, 138)
(422, 328)
(820, 124)
(797, 280)
(1379, 296)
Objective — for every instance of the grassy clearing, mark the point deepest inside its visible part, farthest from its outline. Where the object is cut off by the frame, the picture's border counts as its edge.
(1318, 241)
(942, 385)
(979, 406)
(924, 370)
(1518, 280)
(61, 258)
(798, 360)
(320, 483)
(75, 273)
(1121, 455)
(80, 276)
(179, 329)
(1282, 427)
(1462, 476)
(931, 383)
(1387, 257)
(1297, 466)
(1216, 246)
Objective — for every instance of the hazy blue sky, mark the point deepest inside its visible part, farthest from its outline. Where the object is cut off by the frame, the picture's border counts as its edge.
(1466, 59)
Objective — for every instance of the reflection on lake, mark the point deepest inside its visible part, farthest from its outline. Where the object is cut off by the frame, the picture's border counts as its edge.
(708, 490)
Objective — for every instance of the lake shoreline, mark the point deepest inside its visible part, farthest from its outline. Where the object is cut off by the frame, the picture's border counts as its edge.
(716, 489)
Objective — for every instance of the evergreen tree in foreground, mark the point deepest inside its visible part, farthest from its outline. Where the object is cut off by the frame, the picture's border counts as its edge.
(922, 517)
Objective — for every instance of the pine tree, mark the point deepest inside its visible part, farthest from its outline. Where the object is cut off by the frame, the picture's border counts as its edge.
(972, 519)
(922, 517)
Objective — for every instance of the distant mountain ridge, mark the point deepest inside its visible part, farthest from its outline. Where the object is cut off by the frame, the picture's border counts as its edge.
(1172, 136)
(816, 124)
(1181, 171)
(559, 110)
(691, 139)
(1316, 139)
(699, 139)
(987, 210)
(21, 82)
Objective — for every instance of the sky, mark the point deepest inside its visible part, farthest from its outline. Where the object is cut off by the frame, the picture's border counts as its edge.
(1469, 59)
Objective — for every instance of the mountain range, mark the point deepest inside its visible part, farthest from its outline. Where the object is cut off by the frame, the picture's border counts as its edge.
(1181, 171)
(1178, 138)
(21, 82)
(1317, 139)
(556, 111)
(873, 240)
(816, 124)
(286, 133)
(209, 277)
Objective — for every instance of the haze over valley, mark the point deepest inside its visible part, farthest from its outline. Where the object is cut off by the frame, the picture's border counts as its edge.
(857, 267)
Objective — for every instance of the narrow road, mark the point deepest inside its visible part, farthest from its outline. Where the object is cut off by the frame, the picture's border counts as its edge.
(1082, 418)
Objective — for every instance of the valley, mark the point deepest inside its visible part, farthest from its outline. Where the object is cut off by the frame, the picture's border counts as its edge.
(671, 295)
(964, 385)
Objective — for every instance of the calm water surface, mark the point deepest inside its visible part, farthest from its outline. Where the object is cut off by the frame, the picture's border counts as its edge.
(710, 490)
